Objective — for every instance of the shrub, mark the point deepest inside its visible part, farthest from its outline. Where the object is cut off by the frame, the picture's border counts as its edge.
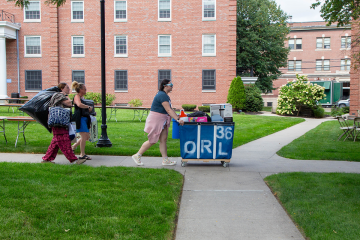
(336, 111)
(297, 94)
(319, 111)
(236, 95)
(254, 102)
(188, 107)
(96, 97)
(204, 108)
(135, 103)
(110, 98)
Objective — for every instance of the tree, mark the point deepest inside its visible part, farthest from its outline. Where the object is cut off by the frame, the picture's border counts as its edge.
(340, 11)
(298, 93)
(261, 34)
(236, 95)
(24, 3)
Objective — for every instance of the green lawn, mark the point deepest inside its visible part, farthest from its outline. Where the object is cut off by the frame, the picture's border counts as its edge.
(323, 205)
(321, 144)
(127, 135)
(46, 201)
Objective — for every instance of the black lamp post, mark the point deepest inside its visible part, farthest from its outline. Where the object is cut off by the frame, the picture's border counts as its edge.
(104, 140)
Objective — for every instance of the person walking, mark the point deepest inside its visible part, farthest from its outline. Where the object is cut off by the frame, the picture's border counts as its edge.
(158, 123)
(82, 122)
(61, 137)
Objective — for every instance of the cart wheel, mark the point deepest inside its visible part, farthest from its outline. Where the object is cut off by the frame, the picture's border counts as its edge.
(225, 164)
(222, 162)
(183, 164)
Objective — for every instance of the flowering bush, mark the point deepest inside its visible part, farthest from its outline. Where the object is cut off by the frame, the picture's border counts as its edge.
(297, 93)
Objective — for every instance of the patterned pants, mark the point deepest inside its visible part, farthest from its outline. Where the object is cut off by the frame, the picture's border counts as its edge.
(60, 140)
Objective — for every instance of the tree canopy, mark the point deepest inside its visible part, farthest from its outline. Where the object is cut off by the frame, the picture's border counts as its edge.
(24, 3)
(340, 11)
(261, 34)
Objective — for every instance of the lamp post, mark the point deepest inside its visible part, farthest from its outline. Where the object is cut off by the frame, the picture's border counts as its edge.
(104, 140)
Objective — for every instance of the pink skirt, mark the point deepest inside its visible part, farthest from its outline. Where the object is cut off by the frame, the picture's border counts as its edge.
(155, 123)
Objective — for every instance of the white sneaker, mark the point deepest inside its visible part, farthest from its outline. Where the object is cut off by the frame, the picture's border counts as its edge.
(137, 160)
(167, 162)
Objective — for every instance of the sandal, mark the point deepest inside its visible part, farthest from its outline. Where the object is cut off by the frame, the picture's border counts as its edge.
(85, 157)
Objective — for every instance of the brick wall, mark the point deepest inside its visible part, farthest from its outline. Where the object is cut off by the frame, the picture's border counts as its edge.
(142, 28)
(354, 72)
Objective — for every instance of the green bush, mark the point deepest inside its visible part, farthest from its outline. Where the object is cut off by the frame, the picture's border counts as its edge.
(319, 111)
(236, 95)
(135, 103)
(188, 107)
(336, 111)
(204, 108)
(254, 102)
(110, 98)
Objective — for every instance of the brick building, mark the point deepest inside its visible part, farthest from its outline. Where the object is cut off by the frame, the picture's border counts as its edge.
(191, 42)
(355, 73)
(321, 52)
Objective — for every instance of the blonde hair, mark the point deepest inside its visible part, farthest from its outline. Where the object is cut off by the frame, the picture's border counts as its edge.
(77, 86)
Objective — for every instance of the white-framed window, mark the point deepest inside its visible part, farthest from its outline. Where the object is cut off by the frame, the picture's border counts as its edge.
(32, 46)
(346, 42)
(209, 79)
(33, 80)
(78, 46)
(120, 11)
(164, 46)
(32, 13)
(78, 76)
(164, 10)
(295, 43)
(121, 46)
(121, 80)
(345, 64)
(322, 65)
(323, 43)
(208, 10)
(77, 11)
(294, 65)
(209, 45)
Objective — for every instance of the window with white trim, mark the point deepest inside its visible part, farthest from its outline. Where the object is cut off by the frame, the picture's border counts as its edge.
(323, 43)
(323, 65)
(295, 43)
(209, 10)
(33, 80)
(120, 11)
(78, 46)
(78, 76)
(294, 65)
(164, 10)
(209, 45)
(164, 45)
(121, 49)
(163, 74)
(77, 11)
(32, 12)
(346, 42)
(345, 64)
(32, 46)
(208, 79)
(121, 80)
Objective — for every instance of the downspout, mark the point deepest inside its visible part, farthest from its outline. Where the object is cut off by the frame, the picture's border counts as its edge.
(18, 60)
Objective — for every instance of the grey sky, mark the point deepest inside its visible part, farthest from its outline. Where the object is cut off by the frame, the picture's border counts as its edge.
(300, 10)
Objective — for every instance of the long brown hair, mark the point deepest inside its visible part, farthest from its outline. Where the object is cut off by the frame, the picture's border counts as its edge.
(62, 85)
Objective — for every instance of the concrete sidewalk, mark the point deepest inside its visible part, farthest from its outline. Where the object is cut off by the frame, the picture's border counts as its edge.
(233, 202)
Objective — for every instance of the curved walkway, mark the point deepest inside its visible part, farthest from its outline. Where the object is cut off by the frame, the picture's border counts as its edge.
(233, 202)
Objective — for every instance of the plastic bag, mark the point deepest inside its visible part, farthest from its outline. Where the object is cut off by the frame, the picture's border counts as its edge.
(38, 106)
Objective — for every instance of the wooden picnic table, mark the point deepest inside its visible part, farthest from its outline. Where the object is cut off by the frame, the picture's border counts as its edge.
(3, 127)
(12, 105)
(25, 120)
(14, 99)
(137, 111)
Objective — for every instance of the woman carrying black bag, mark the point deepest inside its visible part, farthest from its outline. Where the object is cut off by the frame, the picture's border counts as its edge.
(61, 134)
(82, 118)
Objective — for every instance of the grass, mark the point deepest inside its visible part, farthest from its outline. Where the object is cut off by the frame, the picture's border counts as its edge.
(323, 205)
(127, 135)
(45, 201)
(267, 109)
(321, 143)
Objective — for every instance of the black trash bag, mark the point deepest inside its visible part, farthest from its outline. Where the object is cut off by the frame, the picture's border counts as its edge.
(38, 106)
(200, 114)
(84, 111)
